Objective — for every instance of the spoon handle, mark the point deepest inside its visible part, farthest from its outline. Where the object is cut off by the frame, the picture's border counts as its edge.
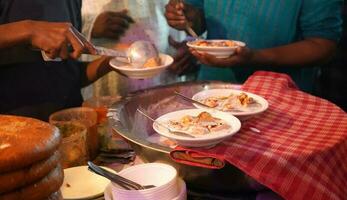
(180, 133)
(109, 52)
(191, 100)
(114, 177)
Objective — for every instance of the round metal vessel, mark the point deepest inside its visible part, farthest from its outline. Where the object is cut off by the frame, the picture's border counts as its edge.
(136, 129)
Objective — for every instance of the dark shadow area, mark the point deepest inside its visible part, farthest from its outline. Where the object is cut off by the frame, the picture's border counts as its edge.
(333, 79)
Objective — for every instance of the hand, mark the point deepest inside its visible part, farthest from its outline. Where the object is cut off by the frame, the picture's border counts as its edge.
(242, 56)
(174, 13)
(55, 38)
(111, 24)
(183, 60)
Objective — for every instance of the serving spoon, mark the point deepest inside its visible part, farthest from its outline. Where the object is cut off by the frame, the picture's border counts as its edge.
(202, 104)
(137, 54)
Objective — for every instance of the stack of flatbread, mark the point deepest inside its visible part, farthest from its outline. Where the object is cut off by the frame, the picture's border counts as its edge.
(29, 159)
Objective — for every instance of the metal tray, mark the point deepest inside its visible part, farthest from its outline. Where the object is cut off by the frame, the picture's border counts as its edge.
(136, 129)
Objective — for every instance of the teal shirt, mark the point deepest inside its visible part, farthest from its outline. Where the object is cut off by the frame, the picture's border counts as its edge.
(269, 23)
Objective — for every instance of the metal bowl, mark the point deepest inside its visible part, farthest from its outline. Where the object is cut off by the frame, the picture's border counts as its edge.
(136, 129)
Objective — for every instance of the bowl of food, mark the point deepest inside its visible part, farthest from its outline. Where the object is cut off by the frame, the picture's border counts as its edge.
(218, 48)
(150, 69)
(206, 128)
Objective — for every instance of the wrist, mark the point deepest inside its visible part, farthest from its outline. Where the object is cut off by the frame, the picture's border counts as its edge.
(27, 31)
(261, 57)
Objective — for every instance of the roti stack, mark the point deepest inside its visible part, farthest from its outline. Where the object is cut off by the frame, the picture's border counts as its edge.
(29, 159)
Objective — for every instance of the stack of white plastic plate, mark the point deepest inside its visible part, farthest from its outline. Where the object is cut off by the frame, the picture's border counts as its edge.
(162, 176)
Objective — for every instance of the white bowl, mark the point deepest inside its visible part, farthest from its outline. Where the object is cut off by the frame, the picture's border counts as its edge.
(219, 52)
(244, 114)
(208, 140)
(163, 176)
(181, 196)
(141, 73)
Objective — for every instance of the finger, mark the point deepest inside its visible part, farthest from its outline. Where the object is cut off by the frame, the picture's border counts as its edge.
(118, 21)
(76, 43)
(179, 24)
(52, 54)
(174, 16)
(113, 34)
(115, 28)
(178, 64)
(64, 51)
(222, 62)
(88, 47)
(199, 57)
(171, 7)
(124, 15)
(179, 8)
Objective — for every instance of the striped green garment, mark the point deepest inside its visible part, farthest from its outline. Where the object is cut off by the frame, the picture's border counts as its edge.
(269, 23)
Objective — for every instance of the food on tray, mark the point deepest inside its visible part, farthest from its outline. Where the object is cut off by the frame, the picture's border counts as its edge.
(152, 62)
(206, 43)
(229, 103)
(202, 124)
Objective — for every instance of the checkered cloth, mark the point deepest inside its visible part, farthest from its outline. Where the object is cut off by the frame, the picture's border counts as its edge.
(301, 151)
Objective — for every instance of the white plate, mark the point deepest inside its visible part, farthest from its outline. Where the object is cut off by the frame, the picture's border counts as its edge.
(208, 140)
(262, 103)
(141, 73)
(181, 196)
(80, 183)
(219, 52)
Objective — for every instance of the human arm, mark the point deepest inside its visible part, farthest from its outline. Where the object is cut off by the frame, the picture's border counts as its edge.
(308, 52)
(178, 14)
(92, 71)
(319, 29)
(52, 38)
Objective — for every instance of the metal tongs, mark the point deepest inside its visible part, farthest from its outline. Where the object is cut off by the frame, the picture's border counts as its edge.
(175, 132)
(191, 100)
(202, 104)
(119, 180)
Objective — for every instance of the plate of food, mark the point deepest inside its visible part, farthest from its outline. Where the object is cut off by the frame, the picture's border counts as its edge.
(235, 102)
(206, 129)
(150, 69)
(218, 48)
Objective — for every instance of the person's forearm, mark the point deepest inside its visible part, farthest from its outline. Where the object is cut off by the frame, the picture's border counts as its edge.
(196, 17)
(309, 52)
(95, 70)
(14, 33)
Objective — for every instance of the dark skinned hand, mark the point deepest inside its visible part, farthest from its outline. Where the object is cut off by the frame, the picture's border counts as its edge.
(111, 24)
(56, 38)
(184, 61)
(241, 57)
(174, 14)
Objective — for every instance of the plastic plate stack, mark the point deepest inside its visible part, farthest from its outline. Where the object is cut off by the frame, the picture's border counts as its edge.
(162, 176)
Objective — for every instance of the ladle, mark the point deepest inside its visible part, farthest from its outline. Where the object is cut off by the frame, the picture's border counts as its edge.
(136, 55)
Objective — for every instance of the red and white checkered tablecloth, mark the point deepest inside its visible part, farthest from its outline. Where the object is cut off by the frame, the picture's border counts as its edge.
(301, 151)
